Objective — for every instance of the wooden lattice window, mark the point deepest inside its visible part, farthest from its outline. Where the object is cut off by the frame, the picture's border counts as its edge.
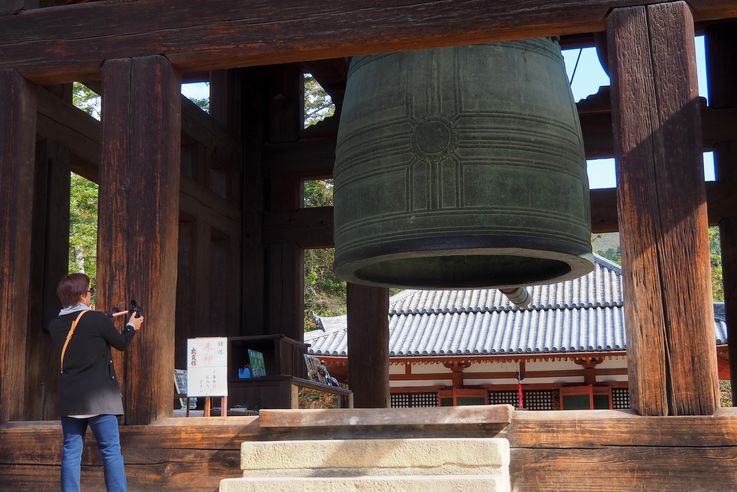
(503, 398)
(620, 398)
(541, 399)
(414, 400)
(401, 400)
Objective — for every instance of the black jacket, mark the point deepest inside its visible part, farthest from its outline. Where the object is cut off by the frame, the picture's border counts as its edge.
(88, 384)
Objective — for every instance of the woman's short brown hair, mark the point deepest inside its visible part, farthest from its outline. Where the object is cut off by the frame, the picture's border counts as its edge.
(71, 288)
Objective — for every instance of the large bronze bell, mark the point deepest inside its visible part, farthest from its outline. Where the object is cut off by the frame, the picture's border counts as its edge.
(461, 167)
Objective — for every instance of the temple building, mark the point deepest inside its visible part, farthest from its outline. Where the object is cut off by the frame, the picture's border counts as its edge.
(565, 350)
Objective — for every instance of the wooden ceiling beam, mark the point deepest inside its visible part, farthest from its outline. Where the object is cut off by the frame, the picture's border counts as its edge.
(312, 157)
(80, 133)
(313, 227)
(66, 43)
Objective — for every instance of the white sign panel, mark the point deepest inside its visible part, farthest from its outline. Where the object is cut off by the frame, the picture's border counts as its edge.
(207, 367)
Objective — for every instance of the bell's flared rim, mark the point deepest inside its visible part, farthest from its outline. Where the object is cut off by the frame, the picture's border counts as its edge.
(465, 262)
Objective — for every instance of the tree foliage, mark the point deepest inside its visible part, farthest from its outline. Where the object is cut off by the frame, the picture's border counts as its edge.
(715, 256)
(83, 199)
(325, 294)
(83, 226)
(318, 104)
(86, 99)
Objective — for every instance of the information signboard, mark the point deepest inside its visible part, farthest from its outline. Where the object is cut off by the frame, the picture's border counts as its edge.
(207, 366)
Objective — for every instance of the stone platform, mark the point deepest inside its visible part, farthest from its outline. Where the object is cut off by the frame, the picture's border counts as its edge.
(395, 462)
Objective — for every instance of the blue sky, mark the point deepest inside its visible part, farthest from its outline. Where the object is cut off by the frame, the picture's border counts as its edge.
(589, 76)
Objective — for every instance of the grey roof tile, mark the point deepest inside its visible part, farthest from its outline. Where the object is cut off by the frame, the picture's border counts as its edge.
(581, 315)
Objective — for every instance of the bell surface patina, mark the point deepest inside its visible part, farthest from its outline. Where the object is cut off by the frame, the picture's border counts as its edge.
(461, 167)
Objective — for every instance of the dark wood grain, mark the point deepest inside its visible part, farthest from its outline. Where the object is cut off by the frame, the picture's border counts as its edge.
(17, 147)
(70, 43)
(49, 263)
(368, 344)
(253, 258)
(662, 210)
(166, 456)
(307, 227)
(284, 293)
(564, 450)
(139, 205)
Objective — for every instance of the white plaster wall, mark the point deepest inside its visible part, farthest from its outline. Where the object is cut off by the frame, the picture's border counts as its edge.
(430, 369)
(414, 384)
(506, 366)
(616, 363)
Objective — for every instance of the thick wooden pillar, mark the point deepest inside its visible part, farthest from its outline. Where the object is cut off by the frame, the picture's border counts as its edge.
(49, 263)
(368, 345)
(285, 259)
(139, 206)
(721, 42)
(17, 146)
(252, 212)
(662, 211)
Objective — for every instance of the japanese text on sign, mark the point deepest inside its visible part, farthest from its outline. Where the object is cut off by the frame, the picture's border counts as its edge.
(207, 367)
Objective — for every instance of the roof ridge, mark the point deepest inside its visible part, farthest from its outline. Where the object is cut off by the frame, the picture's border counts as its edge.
(505, 309)
(607, 263)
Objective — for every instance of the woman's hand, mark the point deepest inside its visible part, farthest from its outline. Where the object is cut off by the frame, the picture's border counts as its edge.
(136, 322)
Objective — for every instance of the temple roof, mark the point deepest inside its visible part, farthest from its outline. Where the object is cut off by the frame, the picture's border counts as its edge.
(581, 315)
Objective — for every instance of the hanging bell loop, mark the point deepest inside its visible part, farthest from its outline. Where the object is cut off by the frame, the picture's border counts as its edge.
(461, 167)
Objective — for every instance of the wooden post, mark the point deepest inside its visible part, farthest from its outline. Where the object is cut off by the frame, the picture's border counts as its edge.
(17, 147)
(252, 249)
(662, 211)
(368, 345)
(139, 206)
(49, 263)
(721, 40)
(285, 260)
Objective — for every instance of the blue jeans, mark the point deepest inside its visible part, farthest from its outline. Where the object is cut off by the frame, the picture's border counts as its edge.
(105, 429)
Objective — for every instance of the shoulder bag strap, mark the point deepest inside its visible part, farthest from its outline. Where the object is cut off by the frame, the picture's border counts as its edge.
(69, 337)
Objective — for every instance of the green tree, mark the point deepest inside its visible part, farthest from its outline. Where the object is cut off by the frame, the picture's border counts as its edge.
(86, 99)
(613, 254)
(83, 199)
(324, 295)
(318, 104)
(83, 226)
(715, 257)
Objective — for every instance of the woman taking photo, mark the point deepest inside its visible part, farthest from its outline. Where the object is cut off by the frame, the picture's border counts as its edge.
(89, 394)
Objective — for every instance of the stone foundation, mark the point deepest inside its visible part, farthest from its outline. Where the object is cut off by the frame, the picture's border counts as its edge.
(421, 465)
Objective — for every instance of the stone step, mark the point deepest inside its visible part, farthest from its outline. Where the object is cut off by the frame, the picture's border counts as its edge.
(375, 456)
(405, 483)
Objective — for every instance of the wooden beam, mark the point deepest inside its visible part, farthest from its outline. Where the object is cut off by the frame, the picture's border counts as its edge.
(662, 211)
(307, 227)
(368, 345)
(139, 205)
(224, 150)
(722, 77)
(312, 157)
(62, 122)
(239, 34)
(606, 449)
(17, 148)
(313, 227)
(721, 202)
